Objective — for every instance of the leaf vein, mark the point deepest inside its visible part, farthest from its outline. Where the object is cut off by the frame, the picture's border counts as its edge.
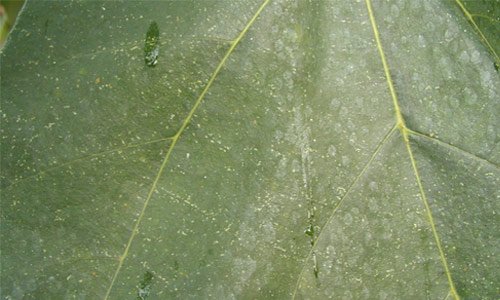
(453, 148)
(83, 158)
(336, 208)
(175, 139)
(405, 131)
(470, 18)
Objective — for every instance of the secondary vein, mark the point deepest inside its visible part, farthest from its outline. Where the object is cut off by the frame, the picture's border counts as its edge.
(348, 192)
(175, 139)
(405, 131)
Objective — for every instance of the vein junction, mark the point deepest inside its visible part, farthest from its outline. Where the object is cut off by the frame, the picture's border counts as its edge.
(400, 123)
(175, 139)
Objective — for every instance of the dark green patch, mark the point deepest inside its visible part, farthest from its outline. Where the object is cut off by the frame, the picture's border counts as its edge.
(144, 287)
(46, 26)
(202, 263)
(496, 66)
(152, 45)
(309, 230)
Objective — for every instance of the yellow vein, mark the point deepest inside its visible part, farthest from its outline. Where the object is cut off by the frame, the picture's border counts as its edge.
(86, 157)
(470, 17)
(453, 148)
(400, 123)
(217, 70)
(404, 132)
(176, 137)
(485, 40)
(453, 291)
(336, 208)
(447, 296)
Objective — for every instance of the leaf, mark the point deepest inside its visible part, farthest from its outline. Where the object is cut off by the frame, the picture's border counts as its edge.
(308, 150)
(484, 17)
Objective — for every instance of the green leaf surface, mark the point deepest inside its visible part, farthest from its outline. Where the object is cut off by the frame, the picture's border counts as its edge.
(277, 150)
(484, 16)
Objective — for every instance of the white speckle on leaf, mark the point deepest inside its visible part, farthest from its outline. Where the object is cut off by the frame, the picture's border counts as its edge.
(421, 41)
(242, 271)
(332, 151)
(486, 79)
(464, 57)
(49, 125)
(347, 219)
(475, 57)
(450, 33)
(395, 11)
(470, 96)
(346, 160)
(373, 186)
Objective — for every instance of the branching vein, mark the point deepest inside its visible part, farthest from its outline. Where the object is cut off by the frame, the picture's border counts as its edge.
(404, 131)
(175, 139)
(470, 18)
(453, 148)
(85, 157)
(347, 193)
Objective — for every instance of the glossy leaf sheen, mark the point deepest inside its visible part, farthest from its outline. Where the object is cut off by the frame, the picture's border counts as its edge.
(264, 156)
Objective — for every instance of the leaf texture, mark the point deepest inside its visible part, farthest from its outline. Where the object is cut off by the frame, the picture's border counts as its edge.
(304, 150)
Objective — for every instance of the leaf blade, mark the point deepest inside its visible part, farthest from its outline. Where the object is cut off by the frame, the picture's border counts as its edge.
(283, 139)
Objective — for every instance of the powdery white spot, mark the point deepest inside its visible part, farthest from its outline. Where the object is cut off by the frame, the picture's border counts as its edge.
(242, 271)
(373, 186)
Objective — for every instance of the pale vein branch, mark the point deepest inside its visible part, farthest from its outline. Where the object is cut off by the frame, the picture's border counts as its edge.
(470, 17)
(404, 131)
(175, 139)
(336, 208)
(84, 158)
(453, 148)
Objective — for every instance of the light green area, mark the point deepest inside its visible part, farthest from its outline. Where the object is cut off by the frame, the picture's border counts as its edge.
(262, 158)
